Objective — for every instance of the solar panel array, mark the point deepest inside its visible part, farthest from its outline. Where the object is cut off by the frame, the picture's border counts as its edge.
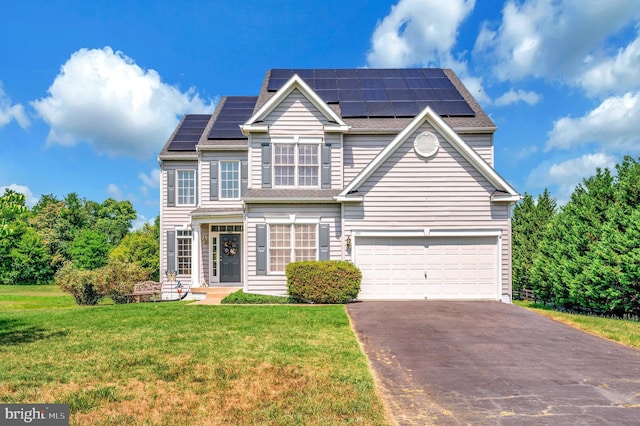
(235, 111)
(189, 132)
(370, 92)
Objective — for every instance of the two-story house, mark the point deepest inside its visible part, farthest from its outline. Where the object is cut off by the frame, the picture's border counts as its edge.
(391, 169)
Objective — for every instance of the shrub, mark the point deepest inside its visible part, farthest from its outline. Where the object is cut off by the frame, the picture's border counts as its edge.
(241, 298)
(114, 280)
(79, 283)
(117, 279)
(328, 281)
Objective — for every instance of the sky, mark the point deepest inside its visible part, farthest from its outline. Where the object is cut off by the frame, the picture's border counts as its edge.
(91, 91)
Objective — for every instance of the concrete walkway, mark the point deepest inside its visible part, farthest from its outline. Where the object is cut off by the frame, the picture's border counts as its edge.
(492, 363)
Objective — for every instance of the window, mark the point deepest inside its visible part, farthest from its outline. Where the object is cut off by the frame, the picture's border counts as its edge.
(184, 252)
(296, 164)
(186, 187)
(289, 243)
(230, 179)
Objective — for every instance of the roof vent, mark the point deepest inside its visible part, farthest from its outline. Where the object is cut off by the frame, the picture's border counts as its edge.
(426, 144)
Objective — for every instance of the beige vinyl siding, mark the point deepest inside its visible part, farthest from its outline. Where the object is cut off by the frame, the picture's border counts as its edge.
(295, 115)
(172, 217)
(205, 173)
(277, 284)
(359, 151)
(482, 144)
(441, 192)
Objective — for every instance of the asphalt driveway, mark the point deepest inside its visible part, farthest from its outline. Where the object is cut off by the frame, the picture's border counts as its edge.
(493, 363)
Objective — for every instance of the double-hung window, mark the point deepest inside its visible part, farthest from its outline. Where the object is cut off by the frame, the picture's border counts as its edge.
(186, 187)
(184, 252)
(296, 163)
(291, 243)
(230, 179)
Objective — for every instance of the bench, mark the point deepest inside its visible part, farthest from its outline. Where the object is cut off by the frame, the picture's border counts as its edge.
(145, 292)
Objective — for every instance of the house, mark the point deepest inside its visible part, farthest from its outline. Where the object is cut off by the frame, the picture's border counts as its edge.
(391, 169)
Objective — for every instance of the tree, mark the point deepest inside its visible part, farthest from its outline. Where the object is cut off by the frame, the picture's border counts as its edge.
(89, 250)
(12, 205)
(114, 219)
(13, 223)
(30, 260)
(141, 247)
(529, 221)
(48, 222)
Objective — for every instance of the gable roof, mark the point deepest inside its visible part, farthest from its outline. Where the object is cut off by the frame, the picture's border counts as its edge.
(295, 82)
(507, 192)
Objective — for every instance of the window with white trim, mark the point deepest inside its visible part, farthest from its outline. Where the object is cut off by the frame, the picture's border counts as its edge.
(296, 164)
(230, 179)
(291, 243)
(186, 187)
(183, 252)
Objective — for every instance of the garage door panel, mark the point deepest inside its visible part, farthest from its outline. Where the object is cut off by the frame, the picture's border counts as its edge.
(433, 268)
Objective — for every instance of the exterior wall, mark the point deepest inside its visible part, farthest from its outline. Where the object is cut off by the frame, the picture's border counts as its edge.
(204, 170)
(256, 214)
(360, 150)
(441, 192)
(172, 217)
(295, 116)
(482, 143)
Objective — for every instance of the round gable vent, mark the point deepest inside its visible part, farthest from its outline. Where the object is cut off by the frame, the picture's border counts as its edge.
(426, 144)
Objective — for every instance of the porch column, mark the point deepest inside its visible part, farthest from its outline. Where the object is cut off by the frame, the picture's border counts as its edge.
(195, 255)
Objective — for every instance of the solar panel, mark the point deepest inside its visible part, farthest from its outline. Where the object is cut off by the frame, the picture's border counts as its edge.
(353, 109)
(235, 111)
(188, 133)
(362, 92)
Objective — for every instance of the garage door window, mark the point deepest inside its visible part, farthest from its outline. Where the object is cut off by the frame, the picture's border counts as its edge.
(291, 242)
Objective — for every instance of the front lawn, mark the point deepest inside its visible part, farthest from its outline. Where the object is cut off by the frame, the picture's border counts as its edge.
(621, 331)
(171, 363)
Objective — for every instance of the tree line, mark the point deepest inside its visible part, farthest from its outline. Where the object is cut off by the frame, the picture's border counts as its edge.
(585, 255)
(36, 243)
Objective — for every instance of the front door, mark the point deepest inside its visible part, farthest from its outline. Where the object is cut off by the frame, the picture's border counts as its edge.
(230, 258)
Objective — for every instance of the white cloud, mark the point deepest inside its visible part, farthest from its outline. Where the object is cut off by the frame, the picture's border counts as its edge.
(614, 124)
(565, 176)
(418, 32)
(103, 98)
(22, 189)
(152, 179)
(551, 38)
(115, 192)
(616, 74)
(515, 96)
(140, 222)
(10, 112)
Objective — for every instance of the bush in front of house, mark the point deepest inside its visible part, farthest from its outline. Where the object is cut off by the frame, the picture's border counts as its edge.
(241, 298)
(115, 280)
(326, 281)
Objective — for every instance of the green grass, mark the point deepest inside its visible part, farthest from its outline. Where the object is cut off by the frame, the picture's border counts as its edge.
(172, 363)
(621, 331)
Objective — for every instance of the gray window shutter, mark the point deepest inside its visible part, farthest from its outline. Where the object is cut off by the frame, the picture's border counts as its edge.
(325, 173)
(171, 188)
(213, 181)
(266, 165)
(244, 177)
(171, 250)
(261, 249)
(323, 237)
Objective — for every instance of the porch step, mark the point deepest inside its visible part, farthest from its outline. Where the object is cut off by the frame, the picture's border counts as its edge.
(212, 295)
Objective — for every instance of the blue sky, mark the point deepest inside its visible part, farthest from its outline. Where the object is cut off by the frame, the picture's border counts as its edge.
(90, 91)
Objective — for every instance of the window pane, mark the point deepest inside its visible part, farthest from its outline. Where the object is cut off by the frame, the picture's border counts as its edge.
(284, 163)
(229, 179)
(308, 165)
(279, 247)
(184, 253)
(306, 246)
(186, 187)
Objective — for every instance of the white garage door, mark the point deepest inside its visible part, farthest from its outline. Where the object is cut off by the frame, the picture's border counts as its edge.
(432, 268)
